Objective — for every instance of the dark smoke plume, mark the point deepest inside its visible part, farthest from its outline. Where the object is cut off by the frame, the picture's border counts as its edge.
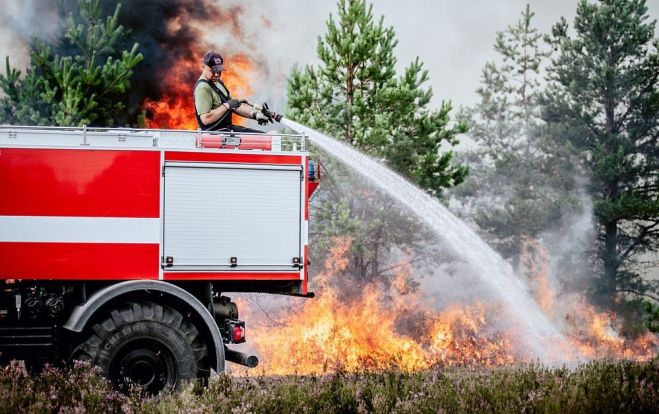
(168, 32)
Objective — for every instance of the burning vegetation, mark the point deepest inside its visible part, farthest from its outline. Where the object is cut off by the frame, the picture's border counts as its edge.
(395, 327)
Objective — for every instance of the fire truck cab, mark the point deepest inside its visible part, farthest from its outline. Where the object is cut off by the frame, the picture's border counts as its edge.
(117, 246)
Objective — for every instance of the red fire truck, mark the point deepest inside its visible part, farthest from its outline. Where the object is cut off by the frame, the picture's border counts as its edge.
(118, 245)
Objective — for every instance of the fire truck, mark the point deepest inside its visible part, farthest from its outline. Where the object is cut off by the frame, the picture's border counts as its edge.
(117, 246)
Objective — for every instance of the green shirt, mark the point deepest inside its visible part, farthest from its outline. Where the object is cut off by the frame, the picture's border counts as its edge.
(206, 99)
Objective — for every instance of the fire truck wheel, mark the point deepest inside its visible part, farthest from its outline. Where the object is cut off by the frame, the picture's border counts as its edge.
(145, 343)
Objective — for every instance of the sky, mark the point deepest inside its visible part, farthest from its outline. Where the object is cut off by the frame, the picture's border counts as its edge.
(453, 39)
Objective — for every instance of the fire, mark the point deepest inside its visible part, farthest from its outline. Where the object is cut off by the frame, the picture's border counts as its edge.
(535, 259)
(330, 334)
(391, 326)
(458, 338)
(380, 328)
(591, 333)
(594, 334)
(175, 110)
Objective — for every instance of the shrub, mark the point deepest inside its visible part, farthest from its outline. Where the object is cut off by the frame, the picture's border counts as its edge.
(601, 386)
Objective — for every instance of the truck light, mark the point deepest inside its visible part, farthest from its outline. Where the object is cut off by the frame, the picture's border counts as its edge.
(313, 175)
(234, 330)
(233, 261)
(238, 334)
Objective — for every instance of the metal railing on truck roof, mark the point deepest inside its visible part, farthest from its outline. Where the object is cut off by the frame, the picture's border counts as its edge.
(149, 138)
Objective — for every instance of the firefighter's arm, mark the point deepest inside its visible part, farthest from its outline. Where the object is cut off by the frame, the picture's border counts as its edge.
(248, 111)
(235, 105)
(214, 114)
(245, 110)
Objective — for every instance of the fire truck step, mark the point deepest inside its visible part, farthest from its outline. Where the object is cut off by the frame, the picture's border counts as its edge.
(16, 339)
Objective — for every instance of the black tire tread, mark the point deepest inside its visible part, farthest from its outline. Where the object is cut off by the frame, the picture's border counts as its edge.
(136, 312)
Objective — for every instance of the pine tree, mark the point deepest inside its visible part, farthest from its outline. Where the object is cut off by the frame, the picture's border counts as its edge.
(355, 95)
(520, 185)
(603, 99)
(86, 87)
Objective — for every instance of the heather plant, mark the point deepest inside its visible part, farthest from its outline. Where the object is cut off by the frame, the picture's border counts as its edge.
(602, 386)
(79, 389)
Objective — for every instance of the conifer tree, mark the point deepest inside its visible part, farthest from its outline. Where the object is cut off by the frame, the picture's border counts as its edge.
(603, 99)
(356, 95)
(520, 183)
(86, 87)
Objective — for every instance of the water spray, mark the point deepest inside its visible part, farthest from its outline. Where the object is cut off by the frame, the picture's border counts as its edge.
(538, 334)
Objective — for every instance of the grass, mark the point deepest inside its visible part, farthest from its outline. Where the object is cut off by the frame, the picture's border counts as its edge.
(603, 386)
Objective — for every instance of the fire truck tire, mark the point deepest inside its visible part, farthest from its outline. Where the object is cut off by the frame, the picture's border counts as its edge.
(148, 344)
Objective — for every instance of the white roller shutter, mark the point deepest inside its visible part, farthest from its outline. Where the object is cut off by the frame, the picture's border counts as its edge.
(217, 211)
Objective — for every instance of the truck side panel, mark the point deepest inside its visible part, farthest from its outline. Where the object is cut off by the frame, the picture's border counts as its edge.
(281, 221)
(78, 261)
(79, 183)
(215, 211)
(241, 158)
(79, 214)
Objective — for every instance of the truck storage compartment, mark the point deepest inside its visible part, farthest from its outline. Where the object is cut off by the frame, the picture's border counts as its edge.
(232, 217)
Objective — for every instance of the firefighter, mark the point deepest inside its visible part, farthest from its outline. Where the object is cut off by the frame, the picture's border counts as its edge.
(213, 102)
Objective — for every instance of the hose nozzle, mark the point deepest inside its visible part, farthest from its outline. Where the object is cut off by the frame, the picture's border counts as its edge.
(266, 111)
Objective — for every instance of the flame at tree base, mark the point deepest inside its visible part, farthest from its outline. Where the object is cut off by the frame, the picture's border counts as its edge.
(170, 113)
(329, 335)
(393, 327)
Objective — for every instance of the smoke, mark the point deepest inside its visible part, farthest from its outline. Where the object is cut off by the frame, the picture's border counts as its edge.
(19, 23)
(570, 246)
(26, 19)
(171, 34)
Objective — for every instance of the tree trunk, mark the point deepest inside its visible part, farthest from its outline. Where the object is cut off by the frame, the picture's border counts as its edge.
(350, 91)
(610, 261)
(611, 195)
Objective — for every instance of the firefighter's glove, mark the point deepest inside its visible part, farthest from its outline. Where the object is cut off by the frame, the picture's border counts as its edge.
(260, 118)
(233, 104)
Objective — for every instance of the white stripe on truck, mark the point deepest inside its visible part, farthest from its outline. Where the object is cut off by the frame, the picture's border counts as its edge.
(49, 229)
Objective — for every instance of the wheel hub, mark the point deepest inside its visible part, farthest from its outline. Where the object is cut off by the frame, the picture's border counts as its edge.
(145, 363)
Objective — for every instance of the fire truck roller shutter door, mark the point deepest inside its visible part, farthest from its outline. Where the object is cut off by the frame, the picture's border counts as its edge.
(214, 212)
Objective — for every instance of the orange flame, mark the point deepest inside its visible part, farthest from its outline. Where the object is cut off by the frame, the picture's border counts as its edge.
(383, 327)
(593, 334)
(392, 326)
(458, 338)
(535, 259)
(175, 110)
